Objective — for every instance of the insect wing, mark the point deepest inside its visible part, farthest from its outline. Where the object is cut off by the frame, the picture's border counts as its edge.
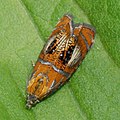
(67, 46)
(48, 74)
(85, 38)
(64, 25)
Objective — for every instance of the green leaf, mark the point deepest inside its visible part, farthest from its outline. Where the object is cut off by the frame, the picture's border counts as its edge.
(93, 92)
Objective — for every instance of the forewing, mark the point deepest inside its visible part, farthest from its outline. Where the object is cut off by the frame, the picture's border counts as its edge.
(84, 34)
(65, 25)
(61, 42)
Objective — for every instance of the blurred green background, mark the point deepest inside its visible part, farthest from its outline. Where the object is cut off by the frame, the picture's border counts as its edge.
(93, 92)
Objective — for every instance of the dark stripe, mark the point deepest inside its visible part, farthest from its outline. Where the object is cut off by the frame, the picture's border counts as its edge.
(54, 67)
(85, 41)
(89, 27)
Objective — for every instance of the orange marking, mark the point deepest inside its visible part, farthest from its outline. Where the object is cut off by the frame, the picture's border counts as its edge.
(67, 46)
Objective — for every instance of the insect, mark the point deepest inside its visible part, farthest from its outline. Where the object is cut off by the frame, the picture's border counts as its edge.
(64, 51)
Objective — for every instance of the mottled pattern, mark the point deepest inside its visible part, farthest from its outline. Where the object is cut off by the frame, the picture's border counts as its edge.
(66, 48)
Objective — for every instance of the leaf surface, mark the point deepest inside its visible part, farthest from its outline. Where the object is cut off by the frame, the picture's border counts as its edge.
(93, 92)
